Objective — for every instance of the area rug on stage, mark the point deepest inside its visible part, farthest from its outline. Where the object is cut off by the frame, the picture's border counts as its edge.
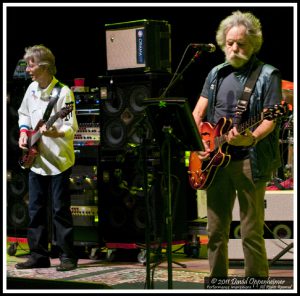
(115, 277)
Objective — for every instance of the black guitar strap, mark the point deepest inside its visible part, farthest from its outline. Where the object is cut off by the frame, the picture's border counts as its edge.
(53, 99)
(248, 89)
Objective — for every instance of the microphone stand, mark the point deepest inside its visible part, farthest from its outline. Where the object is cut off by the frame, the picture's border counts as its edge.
(167, 131)
(179, 76)
(142, 127)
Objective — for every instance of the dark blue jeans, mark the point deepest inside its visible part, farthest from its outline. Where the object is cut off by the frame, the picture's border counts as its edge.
(49, 202)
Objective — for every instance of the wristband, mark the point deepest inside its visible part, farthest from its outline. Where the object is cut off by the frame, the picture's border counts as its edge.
(23, 130)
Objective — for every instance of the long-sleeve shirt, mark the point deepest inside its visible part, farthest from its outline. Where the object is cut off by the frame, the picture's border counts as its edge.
(55, 154)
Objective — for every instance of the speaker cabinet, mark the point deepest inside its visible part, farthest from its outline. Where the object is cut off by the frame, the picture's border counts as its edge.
(278, 230)
(278, 206)
(273, 248)
(17, 202)
(122, 110)
(123, 206)
(143, 45)
(279, 215)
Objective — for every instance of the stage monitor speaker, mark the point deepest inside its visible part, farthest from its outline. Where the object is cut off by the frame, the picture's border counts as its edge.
(273, 248)
(143, 45)
(279, 206)
(122, 110)
(279, 215)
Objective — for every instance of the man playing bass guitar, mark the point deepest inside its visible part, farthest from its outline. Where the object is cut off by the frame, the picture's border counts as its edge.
(251, 156)
(52, 160)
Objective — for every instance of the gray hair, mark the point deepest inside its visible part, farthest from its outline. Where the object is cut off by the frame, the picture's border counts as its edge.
(249, 21)
(42, 56)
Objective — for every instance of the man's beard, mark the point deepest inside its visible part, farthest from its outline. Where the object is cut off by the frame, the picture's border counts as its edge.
(237, 60)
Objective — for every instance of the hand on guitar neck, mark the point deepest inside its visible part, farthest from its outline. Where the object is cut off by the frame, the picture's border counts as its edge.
(235, 138)
(52, 132)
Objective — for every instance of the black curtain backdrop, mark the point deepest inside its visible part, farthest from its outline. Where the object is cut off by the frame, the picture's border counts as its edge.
(76, 35)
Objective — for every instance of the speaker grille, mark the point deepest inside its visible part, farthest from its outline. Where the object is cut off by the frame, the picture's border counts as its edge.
(123, 119)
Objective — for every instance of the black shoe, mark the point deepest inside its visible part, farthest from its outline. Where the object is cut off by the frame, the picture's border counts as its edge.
(67, 264)
(32, 263)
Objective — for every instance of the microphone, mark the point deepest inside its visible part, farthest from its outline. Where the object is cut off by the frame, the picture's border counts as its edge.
(205, 47)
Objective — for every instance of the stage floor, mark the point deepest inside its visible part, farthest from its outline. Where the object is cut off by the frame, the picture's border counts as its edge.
(124, 273)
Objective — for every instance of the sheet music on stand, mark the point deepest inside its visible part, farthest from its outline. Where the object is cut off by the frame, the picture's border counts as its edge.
(174, 112)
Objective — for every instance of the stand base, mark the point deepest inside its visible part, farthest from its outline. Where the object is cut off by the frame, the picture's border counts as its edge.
(280, 254)
(175, 262)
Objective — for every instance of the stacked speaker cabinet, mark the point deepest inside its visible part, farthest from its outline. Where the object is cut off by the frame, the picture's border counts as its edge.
(138, 55)
(138, 67)
(125, 133)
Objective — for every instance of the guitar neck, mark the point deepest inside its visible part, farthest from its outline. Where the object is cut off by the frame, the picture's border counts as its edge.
(50, 122)
(253, 121)
(37, 134)
(34, 138)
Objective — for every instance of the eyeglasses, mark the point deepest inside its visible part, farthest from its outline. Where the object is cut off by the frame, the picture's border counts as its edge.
(31, 66)
(34, 64)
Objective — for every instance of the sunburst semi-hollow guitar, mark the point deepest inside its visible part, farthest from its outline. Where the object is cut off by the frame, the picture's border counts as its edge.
(29, 154)
(202, 172)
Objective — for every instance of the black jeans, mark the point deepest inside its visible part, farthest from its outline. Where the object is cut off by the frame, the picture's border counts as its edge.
(50, 195)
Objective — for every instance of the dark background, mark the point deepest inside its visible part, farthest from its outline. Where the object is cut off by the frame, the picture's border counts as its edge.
(76, 35)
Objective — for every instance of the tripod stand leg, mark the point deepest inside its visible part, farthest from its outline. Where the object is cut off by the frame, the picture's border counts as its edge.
(169, 220)
(280, 254)
(180, 264)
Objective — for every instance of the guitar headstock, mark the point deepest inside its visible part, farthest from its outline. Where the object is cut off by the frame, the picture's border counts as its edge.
(66, 110)
(276, 111)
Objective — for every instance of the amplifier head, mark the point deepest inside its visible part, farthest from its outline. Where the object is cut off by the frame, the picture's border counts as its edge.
(143, 45)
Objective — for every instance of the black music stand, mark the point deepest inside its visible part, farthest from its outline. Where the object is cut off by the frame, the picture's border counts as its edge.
(172, 120)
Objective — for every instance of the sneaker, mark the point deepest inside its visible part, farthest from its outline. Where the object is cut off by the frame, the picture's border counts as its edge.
(67, 264)
(33, 263)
